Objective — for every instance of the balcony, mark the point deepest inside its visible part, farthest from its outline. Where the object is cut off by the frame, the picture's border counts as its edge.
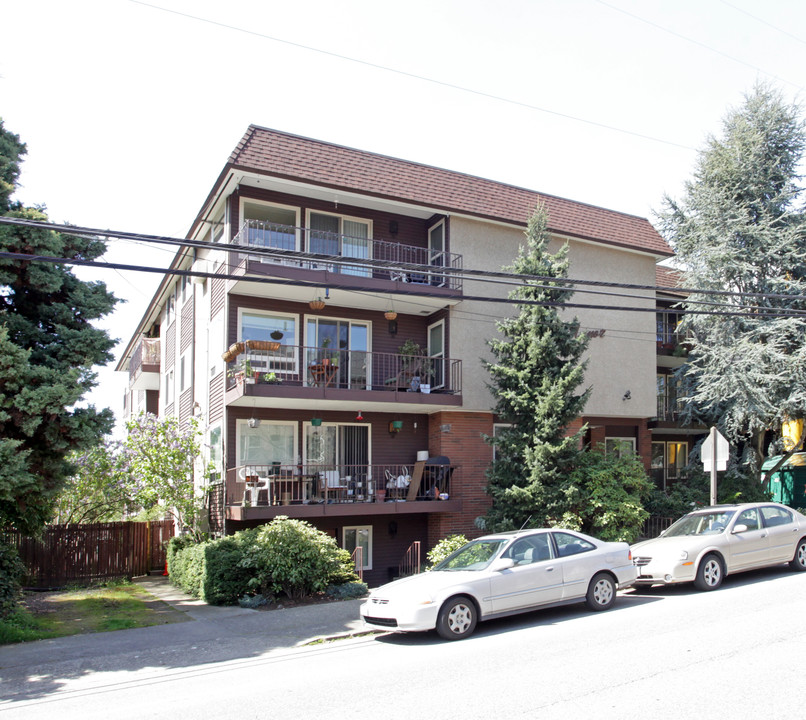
(259, 368)
(144, 366)
(380, 260)
(257, 492)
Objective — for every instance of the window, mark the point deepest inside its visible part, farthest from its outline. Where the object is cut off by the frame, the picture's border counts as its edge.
(339, 447)
(215, 345)
(267, 444)
(497, 429)
(668, 461)
(668, 328)
(669, 404)
(359, 536)
(620, 446)
(568, 544)
(184, 373)
(775, 516)
(749, 518)
(170, 308)
(345, 344)
(256, 325)
(436, 350)
(436, 251)
(215, 443)
(340, 236)
(169, 387)
(270, 226)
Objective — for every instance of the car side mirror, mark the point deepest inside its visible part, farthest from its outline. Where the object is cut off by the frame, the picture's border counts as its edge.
(740, 528)
(502, 564)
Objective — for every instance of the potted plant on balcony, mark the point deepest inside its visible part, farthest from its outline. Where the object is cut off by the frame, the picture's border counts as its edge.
(270, 378)
(414, 365)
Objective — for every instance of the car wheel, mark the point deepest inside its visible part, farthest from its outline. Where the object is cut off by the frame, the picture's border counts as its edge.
(457, 618)
(601, 592)
(799, 561)
(709, 573)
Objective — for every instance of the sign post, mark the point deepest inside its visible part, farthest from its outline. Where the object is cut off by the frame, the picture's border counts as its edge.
(714, 452)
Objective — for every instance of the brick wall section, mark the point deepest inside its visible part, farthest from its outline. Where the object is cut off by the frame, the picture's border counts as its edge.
(459, 436)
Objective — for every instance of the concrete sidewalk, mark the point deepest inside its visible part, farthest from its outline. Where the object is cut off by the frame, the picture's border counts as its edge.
(211, 634)
(303, 624)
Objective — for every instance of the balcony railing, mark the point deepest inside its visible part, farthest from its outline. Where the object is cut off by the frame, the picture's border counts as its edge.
(392, 261)
(278, 484)
(303, 366)
(147, 352)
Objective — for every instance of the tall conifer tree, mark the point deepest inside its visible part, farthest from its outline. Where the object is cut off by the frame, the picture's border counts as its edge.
(48, 345)
(740, 226)
(535, 382)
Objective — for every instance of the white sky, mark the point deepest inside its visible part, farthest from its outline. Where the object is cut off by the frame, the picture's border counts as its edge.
(130, 111)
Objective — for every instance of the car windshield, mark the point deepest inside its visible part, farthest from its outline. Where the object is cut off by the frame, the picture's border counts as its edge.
(476, 555)
(707, 523)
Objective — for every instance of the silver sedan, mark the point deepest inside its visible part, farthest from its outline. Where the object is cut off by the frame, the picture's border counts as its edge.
(500, 575)
(708, 544)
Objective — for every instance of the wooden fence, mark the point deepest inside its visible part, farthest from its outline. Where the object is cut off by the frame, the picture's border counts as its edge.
(83, 554)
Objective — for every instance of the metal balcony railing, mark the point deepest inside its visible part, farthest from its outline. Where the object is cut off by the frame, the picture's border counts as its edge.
(304, 366)
(390, 261)
(278, 484)
(147, 352)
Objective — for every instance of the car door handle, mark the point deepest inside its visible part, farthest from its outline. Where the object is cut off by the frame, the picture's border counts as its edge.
(549, 569)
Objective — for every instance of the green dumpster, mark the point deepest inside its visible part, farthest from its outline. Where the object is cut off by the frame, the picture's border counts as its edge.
(788, 483)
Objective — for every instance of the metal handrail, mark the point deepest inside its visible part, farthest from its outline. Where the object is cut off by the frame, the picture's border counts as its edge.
(305, 366)
(390, 260)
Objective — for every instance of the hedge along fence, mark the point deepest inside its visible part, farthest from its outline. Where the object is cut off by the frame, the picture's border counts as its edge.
(289, 556)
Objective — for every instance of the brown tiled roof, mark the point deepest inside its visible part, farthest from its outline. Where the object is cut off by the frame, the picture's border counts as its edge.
(297, 158)
(666, 277)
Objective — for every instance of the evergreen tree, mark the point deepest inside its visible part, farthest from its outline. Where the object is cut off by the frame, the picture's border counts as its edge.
(48, 346)
(740, 227)
(535, 382)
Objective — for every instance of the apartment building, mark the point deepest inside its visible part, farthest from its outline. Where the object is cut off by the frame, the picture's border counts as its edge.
(326, 323)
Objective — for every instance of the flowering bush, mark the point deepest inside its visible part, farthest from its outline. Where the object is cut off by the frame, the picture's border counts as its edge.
(159, 457)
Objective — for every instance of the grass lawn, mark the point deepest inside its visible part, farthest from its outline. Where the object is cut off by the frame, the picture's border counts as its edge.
(116, 606)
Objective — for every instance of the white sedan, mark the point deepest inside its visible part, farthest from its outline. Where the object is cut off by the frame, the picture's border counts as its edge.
(708, 544)
(500, 575)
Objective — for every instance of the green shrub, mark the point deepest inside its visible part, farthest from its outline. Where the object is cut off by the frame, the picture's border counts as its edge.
(348, 590)
(444, 548)
(293, 557)
(224, 579)
(12, 572)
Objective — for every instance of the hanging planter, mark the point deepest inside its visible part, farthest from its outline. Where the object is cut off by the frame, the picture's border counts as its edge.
(276, 335)
(263, 345)
(316, 422)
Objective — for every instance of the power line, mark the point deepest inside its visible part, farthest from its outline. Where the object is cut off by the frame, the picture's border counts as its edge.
(695, 42)
(415, 76)
(565, 285)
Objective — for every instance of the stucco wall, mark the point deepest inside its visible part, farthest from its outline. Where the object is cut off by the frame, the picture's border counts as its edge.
(623, 359)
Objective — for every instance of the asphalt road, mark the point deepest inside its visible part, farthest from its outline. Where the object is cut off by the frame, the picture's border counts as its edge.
(737, 652)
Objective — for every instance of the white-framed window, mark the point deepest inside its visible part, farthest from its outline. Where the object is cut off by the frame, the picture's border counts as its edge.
(270, 225)
(185, 372)
(339, 446)
(436, 351)
(272, 442)
(497, 428)
(170, 307)
(620, 446)
(342, 236)
(345, 343)
(215, 445)
(169, 387)
(354, 536)
(215, 345)
(183, 286)
(436, 251)
(259, 325)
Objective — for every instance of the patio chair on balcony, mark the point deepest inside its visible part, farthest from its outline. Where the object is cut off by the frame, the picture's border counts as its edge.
(334, 487)
(255, 484)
